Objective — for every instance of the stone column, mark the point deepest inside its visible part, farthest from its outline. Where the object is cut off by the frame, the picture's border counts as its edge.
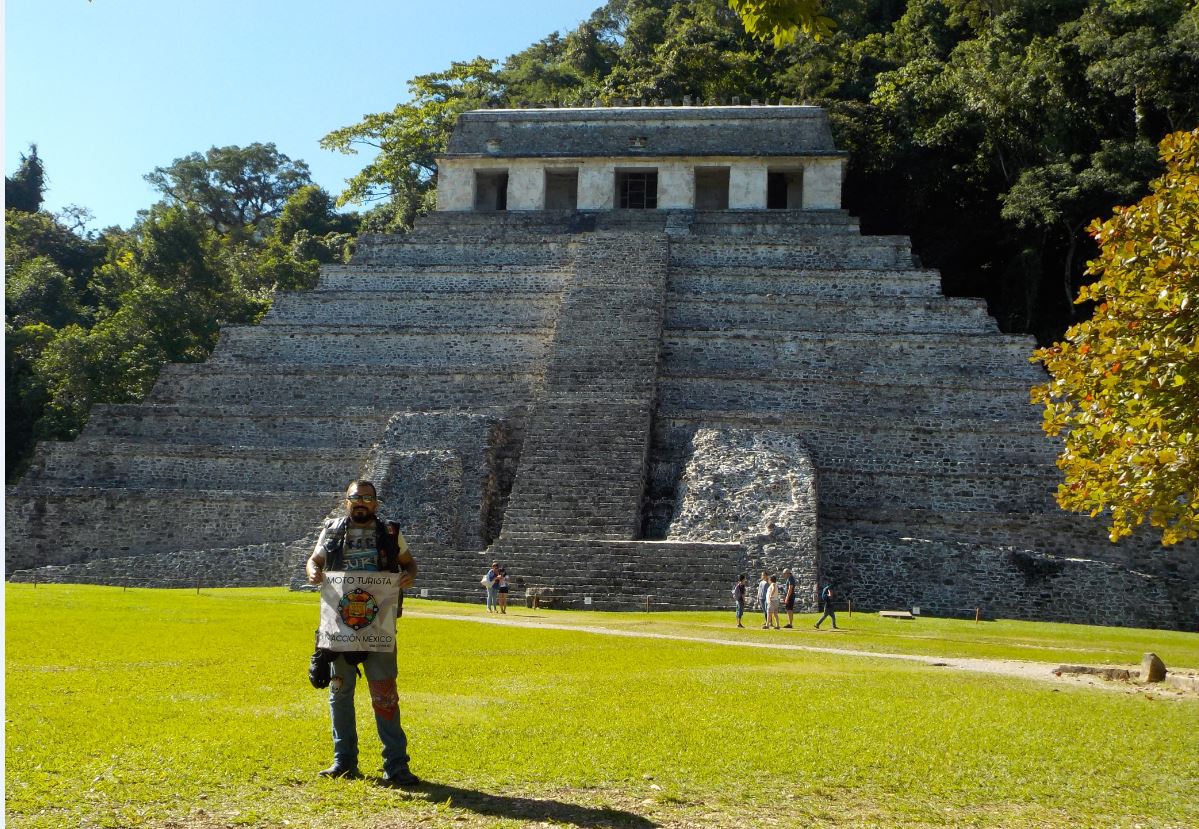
(526, 185)
(455, 185)
(676, 186)
(747, 185)
(597, 185)
(822, 183)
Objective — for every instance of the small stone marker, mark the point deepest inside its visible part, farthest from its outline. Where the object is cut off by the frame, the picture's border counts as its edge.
(1152, 668)
(895, 614)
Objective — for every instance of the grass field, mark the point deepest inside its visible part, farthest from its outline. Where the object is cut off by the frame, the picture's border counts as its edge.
(178, 709)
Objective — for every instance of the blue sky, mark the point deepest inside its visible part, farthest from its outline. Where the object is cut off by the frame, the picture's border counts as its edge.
(111, 89)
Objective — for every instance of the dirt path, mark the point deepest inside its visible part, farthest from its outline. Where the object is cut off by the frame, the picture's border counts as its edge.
(1038, 671)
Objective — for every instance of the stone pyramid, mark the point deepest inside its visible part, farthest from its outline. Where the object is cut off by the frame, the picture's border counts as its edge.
(627, 408)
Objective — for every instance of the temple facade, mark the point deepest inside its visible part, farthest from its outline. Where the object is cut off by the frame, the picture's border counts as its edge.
(663, 158)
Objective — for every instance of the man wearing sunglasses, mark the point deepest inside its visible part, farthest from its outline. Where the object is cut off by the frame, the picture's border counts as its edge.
(360, 540)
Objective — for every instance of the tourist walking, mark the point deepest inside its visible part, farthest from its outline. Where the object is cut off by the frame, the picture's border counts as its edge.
(789, 586)
(501, 586)
(772, 602)
(763, 588)
(361, 541)
(490, 584)
(739, 598)
(826, 602)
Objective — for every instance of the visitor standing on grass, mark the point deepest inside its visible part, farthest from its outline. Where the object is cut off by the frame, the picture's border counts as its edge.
(772, 602)
(501, 586)
(490, 584)
(826, 602)
(739, 598)
(763, 589)
(361, 541)
(789, 596)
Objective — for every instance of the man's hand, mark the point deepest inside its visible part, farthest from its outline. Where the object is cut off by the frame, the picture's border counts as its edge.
(406, 579)
(316, 573)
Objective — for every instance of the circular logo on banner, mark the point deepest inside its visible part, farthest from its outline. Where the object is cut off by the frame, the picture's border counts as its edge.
(358, 609)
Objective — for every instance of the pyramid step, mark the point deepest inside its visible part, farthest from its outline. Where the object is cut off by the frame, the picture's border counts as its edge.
(465, 311)
(384, 388)
(899, 314)
(278, 344)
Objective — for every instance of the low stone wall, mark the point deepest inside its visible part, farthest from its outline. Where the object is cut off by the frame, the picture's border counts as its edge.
(955, 579)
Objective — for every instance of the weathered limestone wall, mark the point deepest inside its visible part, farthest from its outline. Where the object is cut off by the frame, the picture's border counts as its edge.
(756, 488)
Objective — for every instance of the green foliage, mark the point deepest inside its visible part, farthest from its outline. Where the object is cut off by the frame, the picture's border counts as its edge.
(583, 729)
(1125, 385)
(25, 188)
(407, 138)
(781, 20)
(36, 290)
(235, 187)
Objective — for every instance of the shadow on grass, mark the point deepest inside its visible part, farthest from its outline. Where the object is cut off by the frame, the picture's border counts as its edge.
(527, 808)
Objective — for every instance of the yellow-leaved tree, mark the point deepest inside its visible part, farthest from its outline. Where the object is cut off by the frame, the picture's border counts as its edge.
(1125, 384)
(781, 20)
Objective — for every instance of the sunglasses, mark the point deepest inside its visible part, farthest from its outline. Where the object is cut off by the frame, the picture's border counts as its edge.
(370, 499)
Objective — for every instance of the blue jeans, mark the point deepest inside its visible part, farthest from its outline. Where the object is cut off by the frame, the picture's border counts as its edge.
(493, 593)
(380, 672)
(740, 609)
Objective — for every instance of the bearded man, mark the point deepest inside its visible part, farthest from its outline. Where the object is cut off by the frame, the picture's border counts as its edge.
(361, 541)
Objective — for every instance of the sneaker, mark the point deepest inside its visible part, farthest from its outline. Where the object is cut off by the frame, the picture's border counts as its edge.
(764, 627)
(787, 626)
(338, 771)
(403, 780)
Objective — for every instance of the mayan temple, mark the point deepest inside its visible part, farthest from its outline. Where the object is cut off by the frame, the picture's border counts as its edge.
(635, 352)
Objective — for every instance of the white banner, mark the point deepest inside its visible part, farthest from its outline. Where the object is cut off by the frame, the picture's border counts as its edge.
(358, 611)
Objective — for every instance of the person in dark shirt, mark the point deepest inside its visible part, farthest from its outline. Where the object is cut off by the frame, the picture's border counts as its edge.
(826, 602)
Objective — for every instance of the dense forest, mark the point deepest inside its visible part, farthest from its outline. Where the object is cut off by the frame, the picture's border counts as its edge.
(990, 131)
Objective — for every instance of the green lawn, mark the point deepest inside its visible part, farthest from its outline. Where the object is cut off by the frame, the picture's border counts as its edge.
(172, 709)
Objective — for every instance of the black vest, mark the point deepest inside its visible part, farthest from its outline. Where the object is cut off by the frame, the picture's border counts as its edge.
(387, 545)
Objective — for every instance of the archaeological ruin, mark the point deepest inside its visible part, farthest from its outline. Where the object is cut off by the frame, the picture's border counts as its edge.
(635, 352)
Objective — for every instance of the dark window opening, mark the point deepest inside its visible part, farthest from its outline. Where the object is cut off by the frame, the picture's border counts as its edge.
(712, 188)
(562, 190)
(637, 191)
(784, 190)
(491, 191)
